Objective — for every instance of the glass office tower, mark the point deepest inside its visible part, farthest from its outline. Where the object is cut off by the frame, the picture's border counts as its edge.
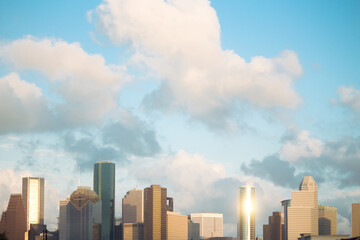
(104, 186)
(33, 200)
(246, 213)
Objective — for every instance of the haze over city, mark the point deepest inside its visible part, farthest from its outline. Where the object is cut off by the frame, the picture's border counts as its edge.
(200, 97)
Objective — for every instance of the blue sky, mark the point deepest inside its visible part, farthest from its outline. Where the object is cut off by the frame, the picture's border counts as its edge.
(226, 92)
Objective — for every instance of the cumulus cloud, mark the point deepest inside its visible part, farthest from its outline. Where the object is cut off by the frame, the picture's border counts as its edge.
(179, 42)
(118, 139)
(350, 97)
(85, 88)
(336, 161)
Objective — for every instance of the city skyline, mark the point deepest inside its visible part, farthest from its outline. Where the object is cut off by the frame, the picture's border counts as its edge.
(198, 96)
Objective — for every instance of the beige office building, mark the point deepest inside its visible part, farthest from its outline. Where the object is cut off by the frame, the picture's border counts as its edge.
(133, 206)
(177, 226)
(327, 220)
(211, 224)
(155, 209)
(355, 219)
(303, 213)
(33, 200)
(133, 231)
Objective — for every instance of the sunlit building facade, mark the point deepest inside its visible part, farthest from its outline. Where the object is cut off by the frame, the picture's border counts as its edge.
(355, 219)
(303, 213)
(155, 209)
(177, 226)
(33, 200)
(104, 186)
(246, 213)
(211, 224)
(133, 206)
(327, 220)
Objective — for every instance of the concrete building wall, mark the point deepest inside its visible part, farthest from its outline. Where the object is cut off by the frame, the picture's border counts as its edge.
(327, 220)
(303, 213)
(211, 224)
(273, 230)
(133, 231)
(355, 219)
(133, 206)
(177, 226)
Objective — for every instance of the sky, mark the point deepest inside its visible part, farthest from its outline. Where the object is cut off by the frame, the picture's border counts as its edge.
(198, 96)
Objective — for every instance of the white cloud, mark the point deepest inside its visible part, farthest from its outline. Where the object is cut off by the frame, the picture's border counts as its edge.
(350, 97)
(86, 88)
(301, 146)
(179, 41)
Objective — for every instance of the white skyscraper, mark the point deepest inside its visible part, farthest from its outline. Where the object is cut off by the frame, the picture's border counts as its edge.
(211, 224)
(303, 212)
(246, 213)
(33, 199)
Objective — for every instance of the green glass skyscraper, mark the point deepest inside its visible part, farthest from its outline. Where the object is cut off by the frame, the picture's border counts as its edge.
(104, 186)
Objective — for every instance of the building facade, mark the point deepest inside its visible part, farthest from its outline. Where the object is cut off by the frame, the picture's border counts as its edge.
(193, 230)
(284, 218)
(303, 213)
(211, 224)
(104, 186)
(327, 220)
(133, 231)
(177, 226)
(246, 213)
(355, 219)
(13, 220)
(155, 209)
(273, 230)
(133, 206)
(33, 200)
(79, 214)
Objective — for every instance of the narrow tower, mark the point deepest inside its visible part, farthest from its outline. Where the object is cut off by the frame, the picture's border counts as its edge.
(246, 213)
(33, 200)
(104, 186)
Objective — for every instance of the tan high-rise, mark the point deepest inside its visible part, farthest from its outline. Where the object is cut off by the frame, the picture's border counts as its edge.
(133, 231)
(33, 199)
(133, 206)
(327, 220)
(303, 213)
(355, 219)
(211, 224)
(177, 226)
(155, 213)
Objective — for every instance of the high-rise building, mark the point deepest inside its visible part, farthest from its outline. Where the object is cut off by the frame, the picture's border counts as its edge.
(327, 220)
(177, 226)
(303, 213)
(211, 224)
(273, 230)
(355, 219)
(155, 209)
(104, 186)
(284, 218)
(79, 214)
(13, 220)
(193, 230)
(133, 231)
(246, 213)
(133, 206)
(33, 200)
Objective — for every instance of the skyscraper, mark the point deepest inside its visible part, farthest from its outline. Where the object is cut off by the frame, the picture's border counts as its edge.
(78, 215)
(177, 226)
(327, 220)
(104, 186)
(273, 230)
(284, 218)
(303, 213)
(211, 224)
(246, 213)
(133, 206)
(33, 200)
(355, 219)
(13, 220)
(155, 209)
